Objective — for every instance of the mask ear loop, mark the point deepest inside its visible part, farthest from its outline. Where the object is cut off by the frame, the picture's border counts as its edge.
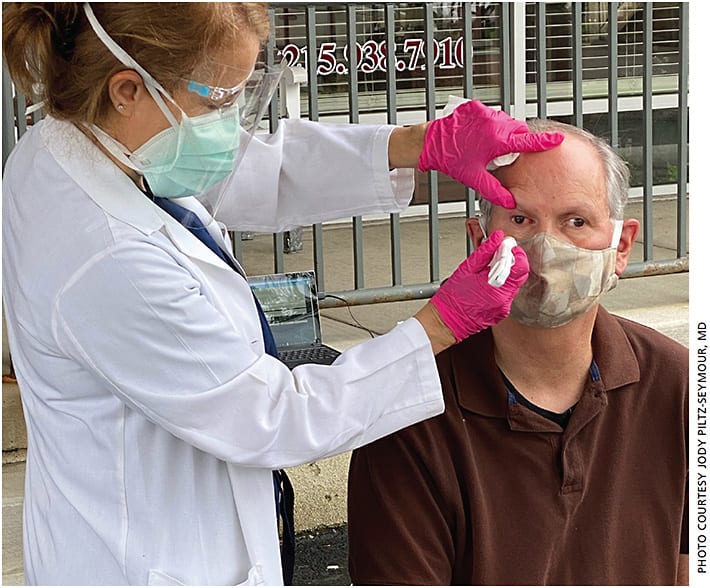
(154, 88)
(616, 235)
(482, 225)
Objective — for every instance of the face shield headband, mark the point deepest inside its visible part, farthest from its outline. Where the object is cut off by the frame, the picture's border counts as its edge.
(196, 153)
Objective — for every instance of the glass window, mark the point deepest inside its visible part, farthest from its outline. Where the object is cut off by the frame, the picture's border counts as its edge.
(448, 48)
(595, 48)
(411, 52)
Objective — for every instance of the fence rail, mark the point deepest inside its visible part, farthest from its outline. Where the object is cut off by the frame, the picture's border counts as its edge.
(618, 69)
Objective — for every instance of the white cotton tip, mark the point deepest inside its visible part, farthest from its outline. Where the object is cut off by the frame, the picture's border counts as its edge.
(503, 260)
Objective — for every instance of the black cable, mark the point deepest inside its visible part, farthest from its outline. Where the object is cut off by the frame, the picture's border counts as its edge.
(357, 322)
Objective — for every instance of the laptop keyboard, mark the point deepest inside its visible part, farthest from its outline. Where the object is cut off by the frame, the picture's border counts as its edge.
(322, 355)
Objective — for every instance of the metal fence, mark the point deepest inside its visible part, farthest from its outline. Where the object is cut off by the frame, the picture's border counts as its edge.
(618, 69)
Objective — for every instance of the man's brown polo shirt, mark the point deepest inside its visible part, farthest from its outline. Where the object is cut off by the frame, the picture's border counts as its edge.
(491, 492)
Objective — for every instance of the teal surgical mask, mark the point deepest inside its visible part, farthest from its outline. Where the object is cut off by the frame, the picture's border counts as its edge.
(185, 160)
(194, 153)
(205, 156)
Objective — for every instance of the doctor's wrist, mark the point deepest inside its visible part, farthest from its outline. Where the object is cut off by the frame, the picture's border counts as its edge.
(440, 336)
(406, 145)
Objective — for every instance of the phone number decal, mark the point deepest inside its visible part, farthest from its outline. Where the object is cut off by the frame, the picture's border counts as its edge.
(371, 56)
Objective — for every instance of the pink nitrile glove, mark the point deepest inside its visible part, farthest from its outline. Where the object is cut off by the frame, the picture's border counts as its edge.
(467, 303)
(462, 144)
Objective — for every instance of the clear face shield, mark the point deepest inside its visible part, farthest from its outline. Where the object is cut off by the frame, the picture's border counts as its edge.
(252, 104)
(210, 128)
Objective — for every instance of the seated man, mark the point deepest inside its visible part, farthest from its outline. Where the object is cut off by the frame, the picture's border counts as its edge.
(562, 455)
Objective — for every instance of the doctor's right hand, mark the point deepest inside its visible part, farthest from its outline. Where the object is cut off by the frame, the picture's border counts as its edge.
(463, 143)
(467, 303)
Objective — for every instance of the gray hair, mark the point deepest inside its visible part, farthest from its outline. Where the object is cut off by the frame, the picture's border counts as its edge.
(617, 171)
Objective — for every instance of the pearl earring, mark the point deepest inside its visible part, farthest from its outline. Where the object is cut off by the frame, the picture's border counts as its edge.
(120, 107)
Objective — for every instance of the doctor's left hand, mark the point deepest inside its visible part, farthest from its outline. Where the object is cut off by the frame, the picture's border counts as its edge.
(467, 303)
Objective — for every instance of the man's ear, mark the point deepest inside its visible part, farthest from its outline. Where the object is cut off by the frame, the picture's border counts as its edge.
(474, 230)
(629, 232)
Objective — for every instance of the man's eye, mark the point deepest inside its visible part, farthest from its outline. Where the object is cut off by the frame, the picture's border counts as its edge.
(578, 222)
(518, 219)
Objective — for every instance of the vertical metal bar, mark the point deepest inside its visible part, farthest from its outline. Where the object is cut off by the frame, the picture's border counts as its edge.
(647, 131)
(577, 65)
(519, 36)
(541, 60)
(430, 80)
(270, 55)
(237, 246)
(391, 64)
(311, 68)
(8, 117)
(613, 73)
(351, 32)
(312, 62)
(278, 238)
(682, 202)
(467, 34)
(505, 55)
(318, 261)
(391, 60)
(20, 118)
(278, 245)
(431, 114)
(358, 253)
(353, 109)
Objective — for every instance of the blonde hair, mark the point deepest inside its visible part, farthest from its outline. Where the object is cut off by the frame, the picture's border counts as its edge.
(53, 55)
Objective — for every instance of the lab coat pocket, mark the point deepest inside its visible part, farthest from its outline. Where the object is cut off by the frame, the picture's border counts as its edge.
(158, 578)
(254, 578)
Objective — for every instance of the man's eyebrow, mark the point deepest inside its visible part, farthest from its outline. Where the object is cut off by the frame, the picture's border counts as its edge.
(518, 209)
(582, 208)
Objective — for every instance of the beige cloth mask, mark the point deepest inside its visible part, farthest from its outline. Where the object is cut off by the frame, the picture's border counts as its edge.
(565, 281)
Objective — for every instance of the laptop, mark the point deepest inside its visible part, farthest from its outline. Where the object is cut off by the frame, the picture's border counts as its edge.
(290, 303)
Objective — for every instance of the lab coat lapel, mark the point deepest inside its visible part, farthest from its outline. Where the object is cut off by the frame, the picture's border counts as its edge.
(231, 291)
(186, 242)
(94, 171)
(215, 229)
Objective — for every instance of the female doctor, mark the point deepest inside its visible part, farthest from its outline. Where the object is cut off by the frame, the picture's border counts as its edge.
(154, 415)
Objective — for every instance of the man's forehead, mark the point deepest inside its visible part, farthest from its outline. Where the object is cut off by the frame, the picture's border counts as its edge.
(570, 176)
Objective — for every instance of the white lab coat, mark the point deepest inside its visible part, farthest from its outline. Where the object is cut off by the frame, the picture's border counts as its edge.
(154, 416)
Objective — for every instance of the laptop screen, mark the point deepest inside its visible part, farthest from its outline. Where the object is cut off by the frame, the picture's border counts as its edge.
(290, 303)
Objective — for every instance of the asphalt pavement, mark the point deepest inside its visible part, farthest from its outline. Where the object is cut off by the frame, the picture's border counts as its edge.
(322, 557)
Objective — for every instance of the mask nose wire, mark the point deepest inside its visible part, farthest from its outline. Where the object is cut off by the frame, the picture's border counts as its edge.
(154, 88)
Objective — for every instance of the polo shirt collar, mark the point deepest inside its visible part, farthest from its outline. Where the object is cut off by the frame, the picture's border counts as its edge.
(479, 386)
(477, 381)
(613, 352)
